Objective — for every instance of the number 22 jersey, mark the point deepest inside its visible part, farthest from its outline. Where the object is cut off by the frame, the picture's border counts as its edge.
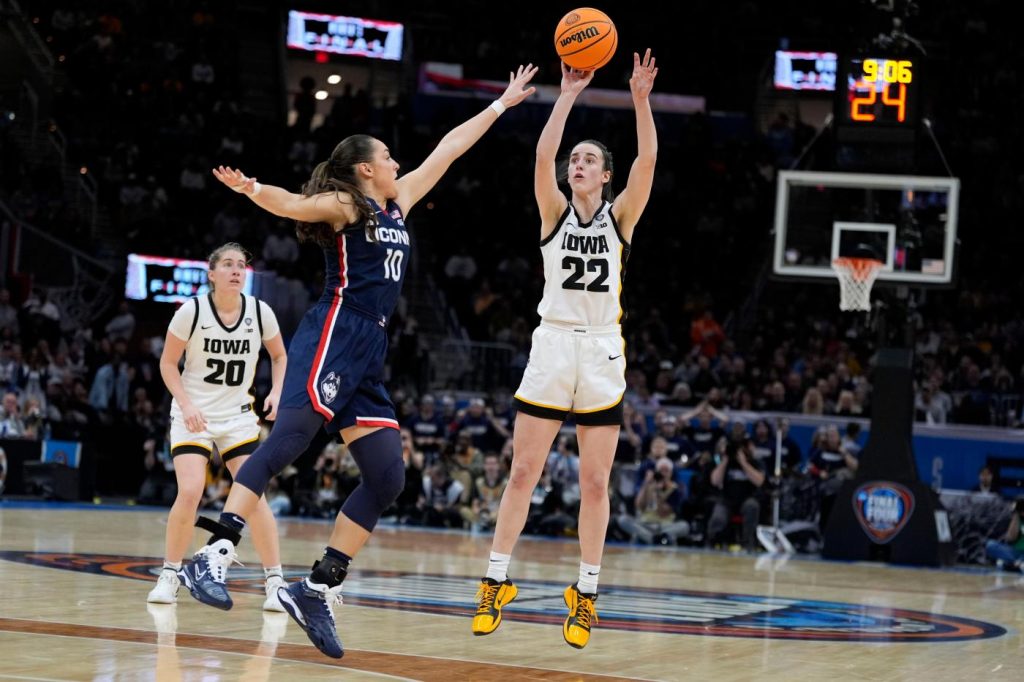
(220, 360)
(584, 264)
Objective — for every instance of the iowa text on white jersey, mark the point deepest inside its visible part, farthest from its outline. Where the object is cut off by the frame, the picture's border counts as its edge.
(583, 267)
(220, 360)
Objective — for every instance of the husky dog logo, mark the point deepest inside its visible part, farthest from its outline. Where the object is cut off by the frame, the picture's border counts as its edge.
(329, 387)
(883, 509)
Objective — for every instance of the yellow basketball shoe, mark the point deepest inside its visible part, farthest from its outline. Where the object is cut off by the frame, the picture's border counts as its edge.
(491, 596)
(582, 612)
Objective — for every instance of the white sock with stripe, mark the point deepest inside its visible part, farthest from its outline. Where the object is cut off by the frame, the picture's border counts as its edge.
(589, 574)
(497, 566)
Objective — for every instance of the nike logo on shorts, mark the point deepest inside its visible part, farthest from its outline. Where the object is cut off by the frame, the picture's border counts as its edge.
(613, 357)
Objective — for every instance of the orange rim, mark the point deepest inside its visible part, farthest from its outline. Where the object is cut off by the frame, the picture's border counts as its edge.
(860, 269)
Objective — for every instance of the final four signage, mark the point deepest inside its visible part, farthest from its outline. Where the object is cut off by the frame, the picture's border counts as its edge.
(883, 509)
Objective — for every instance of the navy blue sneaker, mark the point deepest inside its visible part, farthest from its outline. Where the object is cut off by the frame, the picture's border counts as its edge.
(204, 577)
(311, 608)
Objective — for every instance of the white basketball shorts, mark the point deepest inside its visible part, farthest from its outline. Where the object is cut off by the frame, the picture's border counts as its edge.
(573, 369)
(233, 437)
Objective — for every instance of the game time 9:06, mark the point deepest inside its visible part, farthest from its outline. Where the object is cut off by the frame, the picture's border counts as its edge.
(878, 90)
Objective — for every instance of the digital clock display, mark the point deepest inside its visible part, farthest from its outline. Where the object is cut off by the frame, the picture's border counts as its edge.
(880, 92)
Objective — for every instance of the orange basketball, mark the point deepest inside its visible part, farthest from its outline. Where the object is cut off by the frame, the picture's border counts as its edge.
(586, 39)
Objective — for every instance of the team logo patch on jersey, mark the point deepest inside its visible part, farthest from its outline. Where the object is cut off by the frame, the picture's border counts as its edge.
(248, 322)
(625, 608)
(883, 508)
(329, 387)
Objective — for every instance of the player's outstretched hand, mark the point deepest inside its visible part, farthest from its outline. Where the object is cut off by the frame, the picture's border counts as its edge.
(235, 179)
(517, 90)
(574, 80)
(642, 80)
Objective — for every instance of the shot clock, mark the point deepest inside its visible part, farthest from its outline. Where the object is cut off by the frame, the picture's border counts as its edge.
(877, 97)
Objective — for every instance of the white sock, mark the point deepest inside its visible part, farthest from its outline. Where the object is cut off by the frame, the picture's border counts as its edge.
(269, 571)
(588, 578)
(172, 565)
(497, 567)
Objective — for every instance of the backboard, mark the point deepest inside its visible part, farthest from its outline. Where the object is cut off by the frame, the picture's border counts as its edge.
(909, 222)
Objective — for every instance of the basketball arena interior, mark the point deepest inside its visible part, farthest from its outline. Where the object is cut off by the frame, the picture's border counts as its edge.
(818, 462)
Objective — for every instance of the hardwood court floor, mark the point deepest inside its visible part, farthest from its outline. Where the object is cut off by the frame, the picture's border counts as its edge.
(73, 584)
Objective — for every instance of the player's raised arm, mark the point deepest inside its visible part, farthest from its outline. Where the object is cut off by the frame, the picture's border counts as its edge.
(631, 203)
(550, 199)
(414, 185)
(333, 208)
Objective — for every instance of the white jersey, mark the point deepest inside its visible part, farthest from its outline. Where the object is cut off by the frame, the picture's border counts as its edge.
(583, 270)
(220, 361)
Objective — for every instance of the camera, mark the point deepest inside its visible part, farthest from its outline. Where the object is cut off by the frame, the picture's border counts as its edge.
(658, 477)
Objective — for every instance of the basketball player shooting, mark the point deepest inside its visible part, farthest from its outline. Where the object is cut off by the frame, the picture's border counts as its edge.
(577, 362)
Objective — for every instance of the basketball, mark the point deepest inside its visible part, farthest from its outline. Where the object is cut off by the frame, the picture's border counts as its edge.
(586, 39)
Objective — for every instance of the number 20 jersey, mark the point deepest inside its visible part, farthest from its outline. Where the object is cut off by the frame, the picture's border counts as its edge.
(584, 264)
(220, 360)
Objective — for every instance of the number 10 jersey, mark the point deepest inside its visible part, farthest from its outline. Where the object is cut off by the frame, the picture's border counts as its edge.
(220, 360)
(584, 264)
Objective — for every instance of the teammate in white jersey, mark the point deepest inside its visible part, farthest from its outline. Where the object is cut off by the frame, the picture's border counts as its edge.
(577, 362)
(220, 335)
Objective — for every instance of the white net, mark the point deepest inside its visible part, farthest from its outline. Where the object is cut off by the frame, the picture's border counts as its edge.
(856, 276)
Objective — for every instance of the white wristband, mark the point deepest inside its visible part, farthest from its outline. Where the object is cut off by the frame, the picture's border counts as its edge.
(256, 188)
(498, 107)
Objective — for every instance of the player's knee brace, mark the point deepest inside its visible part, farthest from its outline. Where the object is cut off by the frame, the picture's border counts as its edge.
(388, 485)
(379, 456)
(292, 432)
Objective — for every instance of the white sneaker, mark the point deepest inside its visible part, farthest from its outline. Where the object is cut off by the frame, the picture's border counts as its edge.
(166, 590)
(272, 603)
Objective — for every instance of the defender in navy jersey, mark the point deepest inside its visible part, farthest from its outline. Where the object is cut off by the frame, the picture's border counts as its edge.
(577, 362)
(354, 207)
(364, 268)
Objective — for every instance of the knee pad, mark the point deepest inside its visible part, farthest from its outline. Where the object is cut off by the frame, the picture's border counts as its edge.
(379, 456)
(388, 484)
(288, 439)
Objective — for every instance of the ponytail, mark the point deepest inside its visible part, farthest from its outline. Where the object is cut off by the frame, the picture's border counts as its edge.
(337, 174)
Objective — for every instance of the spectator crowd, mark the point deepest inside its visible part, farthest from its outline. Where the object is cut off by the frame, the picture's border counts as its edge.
(153, 99)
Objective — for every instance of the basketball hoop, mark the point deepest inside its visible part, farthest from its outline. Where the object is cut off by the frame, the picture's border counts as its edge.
(856, 275)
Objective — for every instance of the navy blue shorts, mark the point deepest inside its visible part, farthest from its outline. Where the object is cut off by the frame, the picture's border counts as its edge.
(336, 363)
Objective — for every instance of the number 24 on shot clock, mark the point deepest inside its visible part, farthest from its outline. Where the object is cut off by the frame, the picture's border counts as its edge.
(881, 91)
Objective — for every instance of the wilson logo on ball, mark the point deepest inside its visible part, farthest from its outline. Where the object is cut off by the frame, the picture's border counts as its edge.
(580, 36)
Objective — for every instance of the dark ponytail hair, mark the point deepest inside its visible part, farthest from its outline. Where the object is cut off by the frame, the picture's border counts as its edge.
(607, 162)
(338, 174)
